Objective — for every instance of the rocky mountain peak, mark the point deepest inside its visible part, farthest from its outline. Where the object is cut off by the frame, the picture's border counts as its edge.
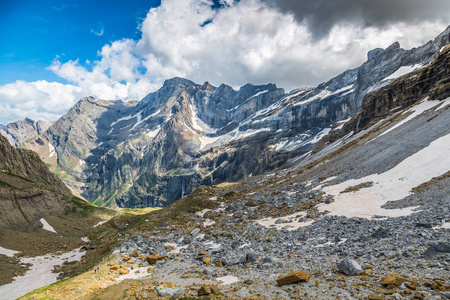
(177, 81)
(20, 131)
(373, 53)
(207, 87)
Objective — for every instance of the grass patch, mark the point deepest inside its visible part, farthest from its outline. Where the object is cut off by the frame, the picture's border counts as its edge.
(358, 187)
(18, 176)
(44, 289)
(177, 172)
(6, 185)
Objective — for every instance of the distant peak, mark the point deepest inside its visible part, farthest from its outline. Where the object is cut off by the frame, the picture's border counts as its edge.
(177, 81)
(393, 47)
(374, 53)
(28, 120)
(207, 86)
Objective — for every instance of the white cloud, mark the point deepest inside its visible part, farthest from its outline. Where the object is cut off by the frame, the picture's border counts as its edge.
(36, 100)
(245, 41)
(98, 30)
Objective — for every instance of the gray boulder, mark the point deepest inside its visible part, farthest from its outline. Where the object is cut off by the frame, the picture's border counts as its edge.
(350, 267)
(437, 249)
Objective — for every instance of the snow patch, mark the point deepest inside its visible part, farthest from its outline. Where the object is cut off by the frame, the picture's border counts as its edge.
(153, 133)
(47, 226)
(99, 223)
(402, 71)
(291, 222)
(326, 93)
(394, 184)
(212, 246)
(197, 123)
(208, 222)
(416, 110)
(206, 141)
(123, 119)
(444, 104)
(257, 94)
(342, 123)
(39, 275)
(154, 114)
(227, 279)
(8, 252)
(51, 150)
(443, 226)
(202, 212)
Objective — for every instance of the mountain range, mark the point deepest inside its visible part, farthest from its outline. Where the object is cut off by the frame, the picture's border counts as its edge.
(154, 151)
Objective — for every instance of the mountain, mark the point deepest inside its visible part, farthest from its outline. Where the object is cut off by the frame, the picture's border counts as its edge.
(21, 131)
(28, 190)
(365, 216)
(154, 151)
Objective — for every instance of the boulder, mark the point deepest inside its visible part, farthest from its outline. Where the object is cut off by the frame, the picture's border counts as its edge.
(208, 290)
(381, 233)
(350, 267)
(294, 277)
(207, 260)
(437, 249)
(394, 279)
(152, 259)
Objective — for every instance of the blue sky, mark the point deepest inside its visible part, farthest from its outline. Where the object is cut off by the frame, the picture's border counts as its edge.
(53, 53)
(34, 32)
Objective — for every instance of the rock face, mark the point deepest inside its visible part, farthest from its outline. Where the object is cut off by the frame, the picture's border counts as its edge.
(431, 82)
(28, 190)
(20, 131)
(152, 152)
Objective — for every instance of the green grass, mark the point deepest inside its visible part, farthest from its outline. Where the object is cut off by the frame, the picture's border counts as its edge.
(18, 176)
(84, 208)
(45, 288)
(6, 185)
(177, 172)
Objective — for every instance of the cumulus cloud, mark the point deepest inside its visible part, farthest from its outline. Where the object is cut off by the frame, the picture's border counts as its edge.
(36, 100)
(235, 42)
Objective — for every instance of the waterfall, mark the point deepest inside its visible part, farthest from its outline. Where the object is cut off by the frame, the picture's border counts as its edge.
(183, 186)
(357, 125)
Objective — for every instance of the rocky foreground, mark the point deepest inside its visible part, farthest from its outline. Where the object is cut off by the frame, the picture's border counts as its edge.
(239, 241)
(230, 252)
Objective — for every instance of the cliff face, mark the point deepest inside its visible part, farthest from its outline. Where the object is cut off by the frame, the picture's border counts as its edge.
(431, 82)
(28, 190)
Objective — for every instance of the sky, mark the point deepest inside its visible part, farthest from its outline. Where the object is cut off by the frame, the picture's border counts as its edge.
(52, 53)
